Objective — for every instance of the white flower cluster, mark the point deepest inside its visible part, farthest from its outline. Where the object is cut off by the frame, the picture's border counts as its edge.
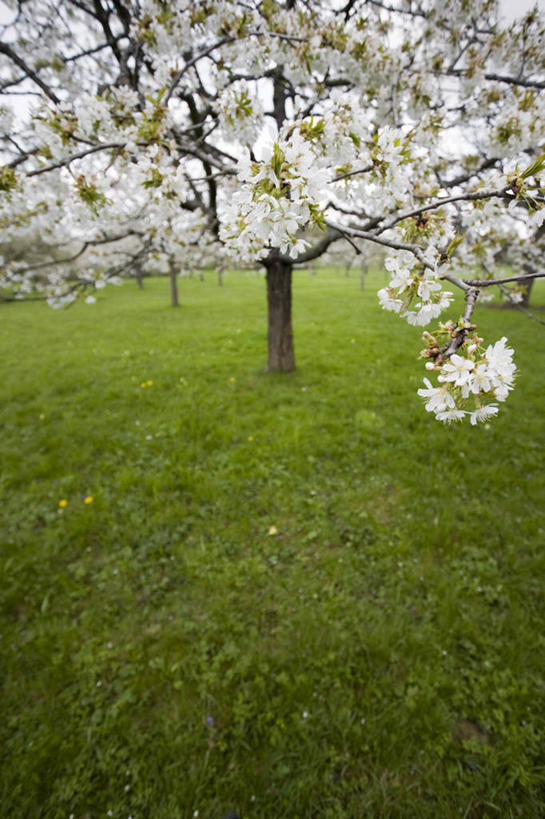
(475, 380)
(276, 199)
(412, 286)
(240, 113)
(393, 157)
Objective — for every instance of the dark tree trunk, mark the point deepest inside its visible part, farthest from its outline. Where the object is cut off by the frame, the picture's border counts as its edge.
(528, 285)
(139, 277)
(173, 284)
(526, 291)
(281, 354)
(537, 238)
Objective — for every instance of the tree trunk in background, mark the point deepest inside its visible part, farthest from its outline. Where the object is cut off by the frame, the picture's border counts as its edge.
(525, 301)
(363, 273)
(173, 284)
(281, 354)
(139, 277)
(529, 284)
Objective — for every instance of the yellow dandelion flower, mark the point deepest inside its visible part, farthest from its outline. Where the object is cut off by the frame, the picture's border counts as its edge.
(250, 437)
(232, 380)
(63, 503)
(143, 384)
(149, 383)
(88, 499)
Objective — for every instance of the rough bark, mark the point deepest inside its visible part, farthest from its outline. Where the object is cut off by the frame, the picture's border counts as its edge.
(173, 284)
(281, 354)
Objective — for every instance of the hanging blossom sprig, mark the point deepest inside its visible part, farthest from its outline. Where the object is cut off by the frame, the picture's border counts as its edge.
(413, 286)
(471, 379)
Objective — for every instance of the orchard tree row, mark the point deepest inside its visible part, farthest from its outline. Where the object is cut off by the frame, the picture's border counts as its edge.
(214, 133)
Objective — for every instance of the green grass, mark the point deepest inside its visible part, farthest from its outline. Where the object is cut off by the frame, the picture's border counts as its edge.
(292, 596)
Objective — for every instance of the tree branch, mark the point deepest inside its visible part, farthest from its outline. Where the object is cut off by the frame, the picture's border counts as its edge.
(458, 339)
(506, 280)
(519, 81)
(416, 250)
(66, 161)
(9, 52)
(319, 248)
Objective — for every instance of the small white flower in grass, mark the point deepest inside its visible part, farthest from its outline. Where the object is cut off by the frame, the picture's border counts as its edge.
(483, 413)
(90, 300)
(305, 714)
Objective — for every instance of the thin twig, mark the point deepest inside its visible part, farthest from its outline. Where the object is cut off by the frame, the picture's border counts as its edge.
(506, 280)
(66, 161)
(351, 173)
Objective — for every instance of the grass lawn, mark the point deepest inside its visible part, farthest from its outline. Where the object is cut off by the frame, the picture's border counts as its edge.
(290, 596)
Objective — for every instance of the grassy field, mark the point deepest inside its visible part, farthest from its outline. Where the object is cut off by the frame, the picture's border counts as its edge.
(285, 596)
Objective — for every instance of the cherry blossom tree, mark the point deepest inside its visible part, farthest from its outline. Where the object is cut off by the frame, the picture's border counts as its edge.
(268, 132)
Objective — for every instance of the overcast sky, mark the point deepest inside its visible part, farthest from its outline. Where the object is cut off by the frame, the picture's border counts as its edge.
(515, 8)
(511, 9)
